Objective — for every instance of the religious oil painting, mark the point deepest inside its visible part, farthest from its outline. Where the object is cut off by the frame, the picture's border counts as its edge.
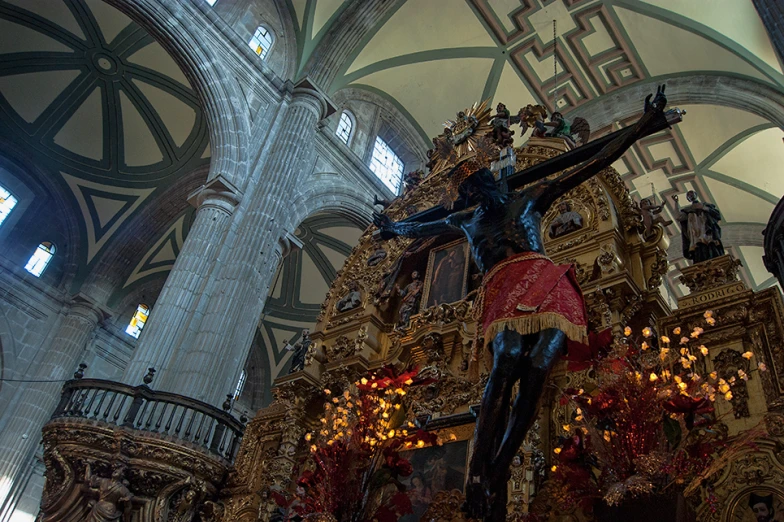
(760, 505)
(436, 468)
(447, 274)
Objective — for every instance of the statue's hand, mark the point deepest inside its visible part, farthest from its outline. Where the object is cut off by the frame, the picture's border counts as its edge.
(658, 103)
(385, 225)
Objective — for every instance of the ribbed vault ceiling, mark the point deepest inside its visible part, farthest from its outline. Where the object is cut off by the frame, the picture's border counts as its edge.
(102, 107)
(433, 58)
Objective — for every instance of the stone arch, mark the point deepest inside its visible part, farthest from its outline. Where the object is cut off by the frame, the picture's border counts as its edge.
(200, 55)
(328, 192)
(715, 89)
(345, 34)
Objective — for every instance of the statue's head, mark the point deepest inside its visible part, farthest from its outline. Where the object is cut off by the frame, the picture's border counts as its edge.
(500, 107)
(691, 196)
(762, 507)
(305, 332)
(645, 202)
(480, 185)
(414, 275)
(118, 472)
(564, 206)
(557, 117)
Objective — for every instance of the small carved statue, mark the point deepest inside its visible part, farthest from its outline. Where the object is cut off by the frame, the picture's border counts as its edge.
(411, 295)
(700, 229)
(502, 120)
(411, 180)
(650, 216)
(300, 349)
(359, 341)
(351, 300)
(567, 221)
(112, 493)
(577, 132)
(376, 257)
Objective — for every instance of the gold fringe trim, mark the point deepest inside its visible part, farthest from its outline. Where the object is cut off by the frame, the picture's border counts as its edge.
(534, 323)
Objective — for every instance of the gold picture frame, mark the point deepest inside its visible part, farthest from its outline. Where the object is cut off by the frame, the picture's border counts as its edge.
(447, 271)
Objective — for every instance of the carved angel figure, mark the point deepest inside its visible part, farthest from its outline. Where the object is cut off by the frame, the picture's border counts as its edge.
(112, 493)
(576, 132)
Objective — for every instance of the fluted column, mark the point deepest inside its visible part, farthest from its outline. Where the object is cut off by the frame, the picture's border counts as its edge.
(772, 14)
(208, 367)
(35, 402)
(174, 308)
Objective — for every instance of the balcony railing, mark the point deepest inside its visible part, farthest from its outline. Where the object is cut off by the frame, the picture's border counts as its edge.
(141, 408)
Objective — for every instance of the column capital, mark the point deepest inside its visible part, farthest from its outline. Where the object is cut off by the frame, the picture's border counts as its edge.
(287, 243)
(305, 91)
(217, 192)
(88, 308)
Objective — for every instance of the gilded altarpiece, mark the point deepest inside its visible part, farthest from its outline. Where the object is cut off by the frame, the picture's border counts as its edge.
(620, 274)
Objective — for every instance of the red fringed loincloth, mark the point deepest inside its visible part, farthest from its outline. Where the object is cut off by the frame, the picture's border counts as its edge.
(528, 293)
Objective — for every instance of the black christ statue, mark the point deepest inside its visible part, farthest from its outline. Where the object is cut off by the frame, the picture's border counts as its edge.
(525, 335)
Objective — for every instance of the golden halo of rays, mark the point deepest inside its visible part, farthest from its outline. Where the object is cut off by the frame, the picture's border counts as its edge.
(478, 145)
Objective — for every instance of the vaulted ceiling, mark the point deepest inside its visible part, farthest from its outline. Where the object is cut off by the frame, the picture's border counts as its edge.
(105, 110)
(432, 58)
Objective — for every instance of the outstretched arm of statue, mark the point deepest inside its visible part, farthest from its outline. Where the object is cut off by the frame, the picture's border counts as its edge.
(390, 229)
(654, 113)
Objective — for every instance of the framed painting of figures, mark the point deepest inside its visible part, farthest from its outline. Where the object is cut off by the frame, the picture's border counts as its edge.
(437, 468)
(447, 274)
(759, 505)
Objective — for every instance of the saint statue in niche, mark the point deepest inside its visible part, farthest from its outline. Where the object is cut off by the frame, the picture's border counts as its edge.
(567, 221)
(410, 304)
(300, 349)
(700, 229)
(351, 300)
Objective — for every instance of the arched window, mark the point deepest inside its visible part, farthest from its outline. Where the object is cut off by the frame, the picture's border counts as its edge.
(138, 320)
(40, 258)
(240, 385)
(386, 165)
(7, 203)
(344, 127)
(262, 41)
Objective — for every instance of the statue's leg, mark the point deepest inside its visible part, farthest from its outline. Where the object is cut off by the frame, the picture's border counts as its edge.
(491, 425)
(542, 357)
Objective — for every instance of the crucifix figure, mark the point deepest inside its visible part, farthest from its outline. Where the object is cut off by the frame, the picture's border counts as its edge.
(527, 306)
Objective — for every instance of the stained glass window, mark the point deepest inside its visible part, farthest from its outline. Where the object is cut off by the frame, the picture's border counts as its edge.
(240, 385)
(7, 203)
(386, 165)
(40, 258)
(344, 127)
(138, 320)
(261, 42)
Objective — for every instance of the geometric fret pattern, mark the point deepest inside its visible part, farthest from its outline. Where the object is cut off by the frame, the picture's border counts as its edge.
(600, 48)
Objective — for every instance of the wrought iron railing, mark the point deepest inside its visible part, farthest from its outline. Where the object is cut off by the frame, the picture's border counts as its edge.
(141, 408)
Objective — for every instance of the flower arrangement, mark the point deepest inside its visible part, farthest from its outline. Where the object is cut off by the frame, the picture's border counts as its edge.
(648, 425)
(354, 464)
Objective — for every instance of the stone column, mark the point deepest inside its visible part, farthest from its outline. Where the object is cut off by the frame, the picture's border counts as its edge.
(36, 401)
(207, 368)
(772, 14)
(168, 323)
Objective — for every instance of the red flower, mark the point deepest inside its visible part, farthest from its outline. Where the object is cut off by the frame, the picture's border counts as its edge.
(582, 356)
(685, 404)
(404, 468)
